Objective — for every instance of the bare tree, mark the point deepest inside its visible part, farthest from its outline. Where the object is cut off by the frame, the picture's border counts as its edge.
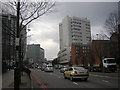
(97, 51)
(111, 23)
(29, 11)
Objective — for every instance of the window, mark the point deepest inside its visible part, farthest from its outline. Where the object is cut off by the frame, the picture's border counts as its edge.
(79, 68)
(70, 69)
(110, 60)
(105, 61)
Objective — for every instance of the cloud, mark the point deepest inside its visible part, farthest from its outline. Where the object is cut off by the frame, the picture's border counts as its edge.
(45, 34)
(46, 29)
(43, 31)
(51, 48)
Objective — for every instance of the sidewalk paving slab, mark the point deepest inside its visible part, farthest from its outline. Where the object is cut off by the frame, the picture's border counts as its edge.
(8, 80)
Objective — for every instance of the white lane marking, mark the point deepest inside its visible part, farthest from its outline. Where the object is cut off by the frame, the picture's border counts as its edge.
(59, 77)
(105, 81)
(103, 76)
(55, 75)
(75, 83)
(99, 75)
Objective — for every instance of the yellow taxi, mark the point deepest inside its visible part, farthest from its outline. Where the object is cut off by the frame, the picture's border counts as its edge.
(76, 73)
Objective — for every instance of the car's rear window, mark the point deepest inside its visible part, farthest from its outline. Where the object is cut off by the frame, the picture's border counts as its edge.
(79, 68)
(50, 66)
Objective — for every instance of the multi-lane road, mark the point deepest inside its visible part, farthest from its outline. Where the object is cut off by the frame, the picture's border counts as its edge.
(56, 80)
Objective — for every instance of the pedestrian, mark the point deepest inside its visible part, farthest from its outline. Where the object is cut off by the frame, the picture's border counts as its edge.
(26, 70)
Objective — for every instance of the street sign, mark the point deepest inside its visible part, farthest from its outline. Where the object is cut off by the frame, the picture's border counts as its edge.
(17, 41)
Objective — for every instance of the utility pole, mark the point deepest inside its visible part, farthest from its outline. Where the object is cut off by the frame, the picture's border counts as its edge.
(17, 72)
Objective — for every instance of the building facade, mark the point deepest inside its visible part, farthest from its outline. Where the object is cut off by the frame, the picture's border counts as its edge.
(73, 32)
(102, 49)
(8, 35)
(81, 55)
(42, 55)
(8, 40)
(35, 53)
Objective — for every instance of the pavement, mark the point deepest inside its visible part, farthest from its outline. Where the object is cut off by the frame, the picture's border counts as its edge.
(8, 80)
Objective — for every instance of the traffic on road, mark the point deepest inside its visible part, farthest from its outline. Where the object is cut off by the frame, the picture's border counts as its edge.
(56, 79)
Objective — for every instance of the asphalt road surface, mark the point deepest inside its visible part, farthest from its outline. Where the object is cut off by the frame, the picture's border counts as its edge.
(41, 79)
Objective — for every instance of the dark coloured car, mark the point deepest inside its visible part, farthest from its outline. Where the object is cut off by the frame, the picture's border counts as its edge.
(63, 69)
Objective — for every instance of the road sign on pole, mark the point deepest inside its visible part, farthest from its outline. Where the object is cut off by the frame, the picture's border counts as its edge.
(17, 41)
(17, 68)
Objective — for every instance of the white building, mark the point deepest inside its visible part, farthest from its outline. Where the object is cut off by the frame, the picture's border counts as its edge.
(72, 30)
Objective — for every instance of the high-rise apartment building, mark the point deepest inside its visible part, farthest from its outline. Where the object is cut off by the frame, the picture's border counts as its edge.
(73, 31)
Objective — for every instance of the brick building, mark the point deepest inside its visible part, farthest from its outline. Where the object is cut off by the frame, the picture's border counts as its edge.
(80, 55)
(103, 48)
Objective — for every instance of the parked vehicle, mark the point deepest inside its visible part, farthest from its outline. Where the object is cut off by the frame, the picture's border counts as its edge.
(48, 68)
(108, 65)
(63, 69)
(43, 68)
(56, 66)
(39, 67)
(76, 73)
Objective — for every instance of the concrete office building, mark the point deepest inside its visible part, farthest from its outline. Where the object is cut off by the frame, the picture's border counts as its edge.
(35, 53)
(72, 31)
(42, 56)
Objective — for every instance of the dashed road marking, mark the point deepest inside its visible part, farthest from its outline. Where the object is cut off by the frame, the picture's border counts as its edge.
(59, 77)
(103, 76)
(105, 81)
(75, 83)
(55, 75)
(99, 75)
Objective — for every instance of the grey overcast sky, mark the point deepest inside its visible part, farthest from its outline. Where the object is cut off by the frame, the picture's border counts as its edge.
(46, 29)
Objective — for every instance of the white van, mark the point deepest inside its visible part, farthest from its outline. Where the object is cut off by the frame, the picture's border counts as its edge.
(109, 64)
